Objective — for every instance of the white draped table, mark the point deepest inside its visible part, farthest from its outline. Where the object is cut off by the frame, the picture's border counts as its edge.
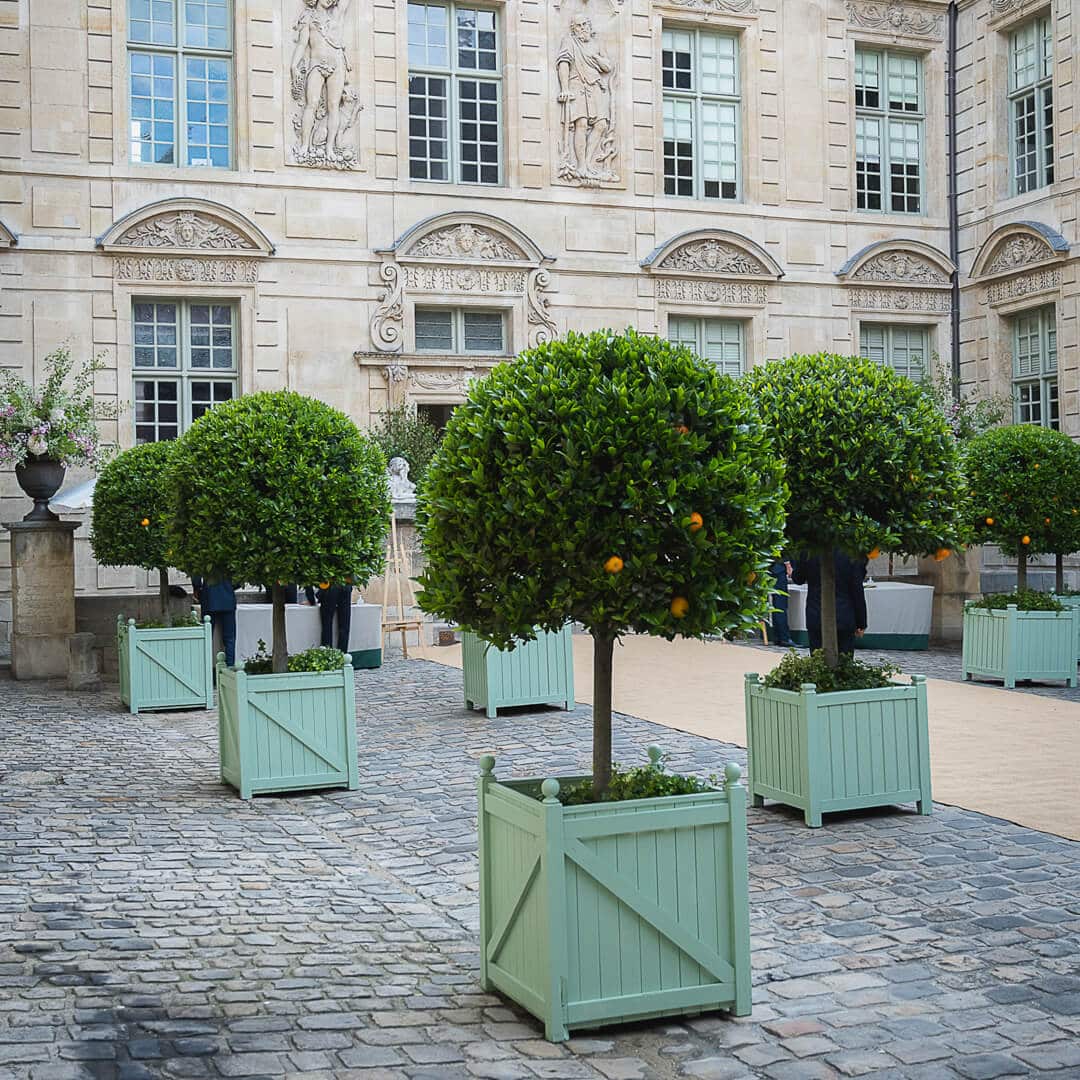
(897, 615)
(303, 630)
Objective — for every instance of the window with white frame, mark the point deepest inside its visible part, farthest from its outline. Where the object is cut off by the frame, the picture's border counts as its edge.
(180, 64)
(184, 361)
(455, 93)
(460, 330)
(718, 340)
(700, 71)
(903, 348)
(1035, 381)
(1031, 105)
(889, 117)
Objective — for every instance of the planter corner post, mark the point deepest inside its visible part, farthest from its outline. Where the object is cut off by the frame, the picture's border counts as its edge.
(486, 778)
(554, 859)
(350, 722)
(208, 633)
(750, 680)
(245, 751)
(130, 647)
(813, 733)
(739, 893)
(1012, 634)
(925, 803)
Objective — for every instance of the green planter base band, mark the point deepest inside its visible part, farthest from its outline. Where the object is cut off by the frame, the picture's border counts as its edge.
(902, 642)
(843, 751)
(1072, 602)
(366, 659)
(289, 732)
(1013, 645)
(613, 912)
(168, 667)
(539, 672)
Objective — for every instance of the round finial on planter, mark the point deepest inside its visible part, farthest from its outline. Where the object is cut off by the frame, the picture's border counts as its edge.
(732, 772)
(487, 764)
(550, 790)
(656, 756)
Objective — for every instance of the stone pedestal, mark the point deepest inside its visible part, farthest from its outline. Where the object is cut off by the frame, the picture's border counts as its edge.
(955, 580)
(43, 597)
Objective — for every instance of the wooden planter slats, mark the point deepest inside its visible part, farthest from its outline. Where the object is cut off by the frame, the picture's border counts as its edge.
(289, 732)
(169, 667)
(536, 672)
(843, 751)
(1012, 645)
(1072, 602)
(612, 912)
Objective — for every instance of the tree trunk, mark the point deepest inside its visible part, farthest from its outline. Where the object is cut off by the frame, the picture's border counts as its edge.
(829, 640)
(1059, 573)
(281, 646)
(1021, 570)
(163, 595)
(603, 653)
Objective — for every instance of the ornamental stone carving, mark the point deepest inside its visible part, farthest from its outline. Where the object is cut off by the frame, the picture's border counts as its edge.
(712, 257)
(386, 322)
(717, 7)
(707, 291)
(901, 266)
(324, 102)
(446, 381)
(184, 229)
(586, 80)
(1017, 251)
(541, 325)
(896, 17)
(932, 301)
(465, 279)
(466, 241)
(184, 269)
(1027, 284)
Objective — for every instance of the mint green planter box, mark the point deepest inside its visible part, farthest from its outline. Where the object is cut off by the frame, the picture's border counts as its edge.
(1074, 603)
(843, 751)
(1012, 645)
(593, 915)
(536, 672)
(168, 667)
(289, 732)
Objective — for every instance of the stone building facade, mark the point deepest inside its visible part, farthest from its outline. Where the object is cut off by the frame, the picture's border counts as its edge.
(375, 201)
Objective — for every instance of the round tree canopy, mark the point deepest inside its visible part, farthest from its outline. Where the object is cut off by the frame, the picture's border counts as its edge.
(1024, 481)
(276, 487)
(871, 461)
(131, 509)
(616, 480)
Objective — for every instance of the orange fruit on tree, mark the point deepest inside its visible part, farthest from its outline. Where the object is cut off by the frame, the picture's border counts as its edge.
(989, 521)
(614, 565)
(679, 607)
(682, 429)
(1036, 465)
(751, 577)
(941, 554)
(873, 553)
(1025, 539)
(324, 584)
(145, 522)
(696, 521)
(1046, 521)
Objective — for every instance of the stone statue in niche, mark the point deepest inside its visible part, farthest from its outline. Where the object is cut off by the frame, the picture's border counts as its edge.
(402, 489)
(587, 131)
(325, 104)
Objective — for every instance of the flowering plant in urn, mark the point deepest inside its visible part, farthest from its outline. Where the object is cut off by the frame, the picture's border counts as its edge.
(55, 423)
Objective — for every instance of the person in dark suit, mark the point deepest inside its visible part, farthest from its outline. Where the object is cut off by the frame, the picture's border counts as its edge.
(778, 569)
(850, 599)
(218, 600)
(333, 600)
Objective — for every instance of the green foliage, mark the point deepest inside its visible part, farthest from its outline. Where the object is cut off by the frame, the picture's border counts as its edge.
(1024, 480)
(870, 457)
(1024, 599)
(278, 487)
(401, 432)
(967, 416)
(319, 658)
(592, 447)
(651, 781)
(849, 673)
(129, 491)
(188, 620)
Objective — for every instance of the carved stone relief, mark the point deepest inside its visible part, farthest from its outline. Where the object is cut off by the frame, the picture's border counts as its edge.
(1016, 251)
(1003, 7)
(464, 279)
(706, 291)
(184, 229)
(324, 102)
(185, 269)
(928, 300)
(586, 71)
(712, 257)
(901, 266)
(386, 323)
(1015, 288)
(465, 241)
(896, 17)
(541, 325)
(725, 7)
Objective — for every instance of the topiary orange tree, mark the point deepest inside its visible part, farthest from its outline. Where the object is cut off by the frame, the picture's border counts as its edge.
(871, 464)
(130, 512)
(611, 479)
(1024, 493)
(281, 488)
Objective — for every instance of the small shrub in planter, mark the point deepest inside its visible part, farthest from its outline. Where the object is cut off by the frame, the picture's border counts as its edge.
(875, 466)
(1020, 635)
(164, 664)
(620, 482)
(281, 488)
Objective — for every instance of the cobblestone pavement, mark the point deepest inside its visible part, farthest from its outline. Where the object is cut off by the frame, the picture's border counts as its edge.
(152, 924)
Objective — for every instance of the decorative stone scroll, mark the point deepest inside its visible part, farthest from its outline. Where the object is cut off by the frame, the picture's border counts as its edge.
(1016, 288)
(934, 302)
(324, 102)
(897, 17)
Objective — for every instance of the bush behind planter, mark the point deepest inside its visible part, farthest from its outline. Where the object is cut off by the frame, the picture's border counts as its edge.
(849, 674)
(1024, 599)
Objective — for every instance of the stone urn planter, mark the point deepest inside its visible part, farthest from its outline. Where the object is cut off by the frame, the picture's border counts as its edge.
(617, 911)
(1012, 645)
(40, 478)
(840, 751)
(1072, 602)
(289, 732)
(167, 667)
(536, 672)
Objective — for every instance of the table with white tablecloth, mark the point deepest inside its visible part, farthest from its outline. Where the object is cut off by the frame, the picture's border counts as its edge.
(254, 622)
(897, 615)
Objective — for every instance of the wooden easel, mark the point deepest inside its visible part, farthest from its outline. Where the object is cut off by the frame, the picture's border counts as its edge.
(399, 617)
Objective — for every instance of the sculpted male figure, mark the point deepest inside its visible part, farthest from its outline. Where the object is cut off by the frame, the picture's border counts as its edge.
(585, 75)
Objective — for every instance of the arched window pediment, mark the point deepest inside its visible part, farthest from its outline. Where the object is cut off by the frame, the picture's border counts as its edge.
(461, 236)
(713, 253)
(188, 226)
(898, 262)
(1018, 246)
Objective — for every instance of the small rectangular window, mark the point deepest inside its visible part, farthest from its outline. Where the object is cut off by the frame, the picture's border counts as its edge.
(718, 340)
(1031, 106)
(1035, 367)
(434, 330)
(903, 348)
(460, 330)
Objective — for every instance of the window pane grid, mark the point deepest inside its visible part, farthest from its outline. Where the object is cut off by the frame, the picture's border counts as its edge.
(460, 330)
(1035, 384)
(701, 114)
(1031, 106)
(888, 132)
(455, 118)
(718, 340)
(903, 348)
